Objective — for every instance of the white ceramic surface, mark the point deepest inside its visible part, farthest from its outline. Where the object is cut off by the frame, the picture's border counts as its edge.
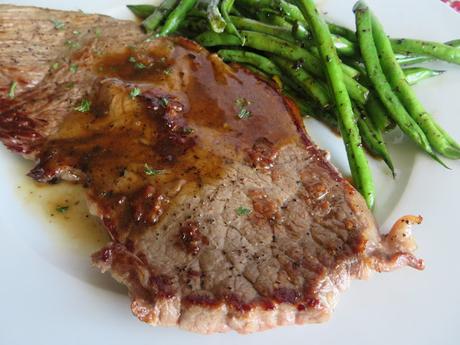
(50, 295)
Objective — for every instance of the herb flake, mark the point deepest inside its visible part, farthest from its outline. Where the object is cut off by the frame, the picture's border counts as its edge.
(55, 65)
(58, 25)
(72, 44)
(243, 111)
(149, 171)
(12, 90)
(62, 209)
(188, 130)
(84, 106)
(164, 101)
(243, 211)
(73, 68)
(135, 92)
(137, 64)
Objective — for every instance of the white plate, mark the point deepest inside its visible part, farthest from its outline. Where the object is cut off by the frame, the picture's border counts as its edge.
(50, 295)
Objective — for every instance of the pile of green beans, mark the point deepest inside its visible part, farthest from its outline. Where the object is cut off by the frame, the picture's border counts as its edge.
(359, 83)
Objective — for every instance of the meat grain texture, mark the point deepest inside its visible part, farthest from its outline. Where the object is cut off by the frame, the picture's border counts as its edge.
(223, 214)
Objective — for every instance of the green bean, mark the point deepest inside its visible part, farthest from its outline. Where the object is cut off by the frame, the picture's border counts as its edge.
(343, 32)
(447, 137)
(374, 108)
(215, 18)
(312, 87)
(245, 57)
(436, 50)
(359, 166)
(358, 66)
(350, 71)
(406, 60)
(307, 108)
(265, 43)
(372, 136)
(284, 49)
(176, 17)
(397, 79)
(254, 25)
(191, 27)
(198, 12)
(378, 114)
(243, 23)
(212, 39)
(255, 70)
(161, 12)
(225, 7)
(414, 59)
(270, 17)
(454, 43)
(378, 79)
(300, 32)
(344, 47)
(236, 12)
(373, 140)
(357, 92)
(293, 13)
(283, 33)
(415, 75)
(142, 11)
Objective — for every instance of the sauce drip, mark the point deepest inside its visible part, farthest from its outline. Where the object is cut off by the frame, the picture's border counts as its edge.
(65, 209)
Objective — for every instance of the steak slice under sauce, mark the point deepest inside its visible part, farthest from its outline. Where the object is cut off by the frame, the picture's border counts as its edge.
(222, 212)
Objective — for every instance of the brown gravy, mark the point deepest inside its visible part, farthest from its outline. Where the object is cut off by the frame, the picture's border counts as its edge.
(162, 118)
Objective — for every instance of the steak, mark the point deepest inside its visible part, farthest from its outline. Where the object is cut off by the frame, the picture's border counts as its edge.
(223, 214)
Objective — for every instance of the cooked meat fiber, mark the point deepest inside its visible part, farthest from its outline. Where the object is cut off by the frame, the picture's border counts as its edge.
(223, 213)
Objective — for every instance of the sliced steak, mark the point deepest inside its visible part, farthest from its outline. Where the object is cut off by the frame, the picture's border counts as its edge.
(223, 213)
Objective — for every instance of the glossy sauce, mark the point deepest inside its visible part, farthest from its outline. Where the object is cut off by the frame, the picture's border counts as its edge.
(64, 208)
(189, 121)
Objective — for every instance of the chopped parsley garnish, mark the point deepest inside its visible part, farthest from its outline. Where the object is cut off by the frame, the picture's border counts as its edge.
(97, 32)
(62, 209)
(69, 85)
(164, 101)
(167, 71)
(149, 171)
(72, 44)
(12, 90)
(188, 130)
(55, 65)
(137, 64)
(135, 92)
(58, 25)
(84, 106)
(243, 111)
(73, 68)
(243, 211)
(76, 32)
